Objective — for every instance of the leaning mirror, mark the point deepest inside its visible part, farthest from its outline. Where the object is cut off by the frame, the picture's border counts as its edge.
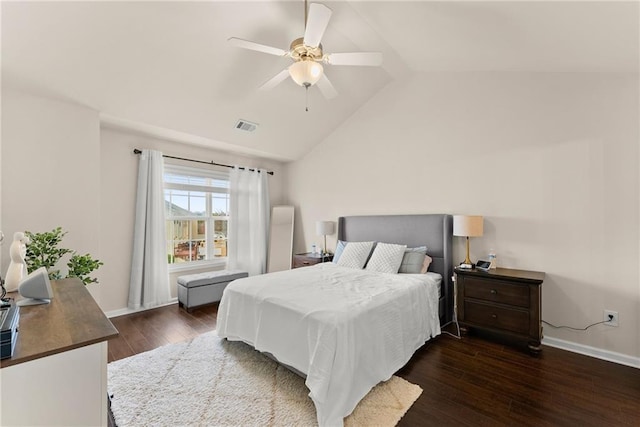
(280, 239)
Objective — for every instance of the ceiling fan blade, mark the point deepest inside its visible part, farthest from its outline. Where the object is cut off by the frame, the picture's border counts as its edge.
(276, 80)
(246, 44)
(371, 59)
(317, 21)
(326, 88)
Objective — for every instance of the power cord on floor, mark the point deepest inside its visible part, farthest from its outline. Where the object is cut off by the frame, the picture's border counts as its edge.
(458, 337)
(455, 311)
(455, 321)
(577, 329)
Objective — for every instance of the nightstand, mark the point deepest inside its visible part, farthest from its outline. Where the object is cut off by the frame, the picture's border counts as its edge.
(305, 260)
(503, 301)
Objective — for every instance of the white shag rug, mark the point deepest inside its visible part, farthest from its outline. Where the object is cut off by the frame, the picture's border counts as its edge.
(209, 381)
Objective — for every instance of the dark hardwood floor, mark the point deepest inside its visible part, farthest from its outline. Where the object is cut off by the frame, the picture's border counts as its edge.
(150, 329)
(470, 382)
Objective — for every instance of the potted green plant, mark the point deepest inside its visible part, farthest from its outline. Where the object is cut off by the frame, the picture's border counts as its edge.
(44, 251)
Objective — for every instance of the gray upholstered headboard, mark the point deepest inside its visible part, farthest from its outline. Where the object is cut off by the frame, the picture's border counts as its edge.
(431, 230)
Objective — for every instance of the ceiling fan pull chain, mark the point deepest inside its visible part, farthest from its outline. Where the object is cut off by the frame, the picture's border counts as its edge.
(306, 97)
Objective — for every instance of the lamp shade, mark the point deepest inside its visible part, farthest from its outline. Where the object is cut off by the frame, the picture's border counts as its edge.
(306, 72)
(467, 225)
(324, 228)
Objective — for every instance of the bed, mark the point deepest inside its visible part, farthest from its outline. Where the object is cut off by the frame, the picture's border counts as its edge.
(346, 329)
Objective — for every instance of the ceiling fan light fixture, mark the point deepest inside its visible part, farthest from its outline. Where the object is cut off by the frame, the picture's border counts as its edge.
(307, 54)
(306, 72)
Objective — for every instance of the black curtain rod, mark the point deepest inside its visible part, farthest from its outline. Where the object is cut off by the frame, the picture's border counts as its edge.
(136, 151)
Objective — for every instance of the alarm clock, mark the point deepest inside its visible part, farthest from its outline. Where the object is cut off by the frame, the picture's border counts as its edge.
(483, 265)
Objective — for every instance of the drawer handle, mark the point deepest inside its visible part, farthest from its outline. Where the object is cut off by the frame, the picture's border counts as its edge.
(305, 262)
(494, 316)
(494, 292)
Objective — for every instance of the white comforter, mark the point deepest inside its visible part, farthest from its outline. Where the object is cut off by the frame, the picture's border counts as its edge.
(346, 329)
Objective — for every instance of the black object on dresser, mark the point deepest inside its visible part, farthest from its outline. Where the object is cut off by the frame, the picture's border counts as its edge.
(305, 260)
(503, 301)
(9, 319)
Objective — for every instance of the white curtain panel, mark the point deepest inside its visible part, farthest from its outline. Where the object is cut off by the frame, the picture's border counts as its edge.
(248, 221)
(149, 284)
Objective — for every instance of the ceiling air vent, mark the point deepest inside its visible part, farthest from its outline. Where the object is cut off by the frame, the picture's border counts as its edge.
(246, 125)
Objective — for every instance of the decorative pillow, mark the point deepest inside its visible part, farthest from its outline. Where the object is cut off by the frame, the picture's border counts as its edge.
(426, 264)
(412, 262)
(422, 249)
(339, 248)
(386, 258)
(355, 254)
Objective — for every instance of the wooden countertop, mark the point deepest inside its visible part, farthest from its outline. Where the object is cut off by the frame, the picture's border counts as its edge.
(72, 320)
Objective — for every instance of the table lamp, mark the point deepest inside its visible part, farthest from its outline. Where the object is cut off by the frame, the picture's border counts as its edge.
(467, 226)
(323, 228)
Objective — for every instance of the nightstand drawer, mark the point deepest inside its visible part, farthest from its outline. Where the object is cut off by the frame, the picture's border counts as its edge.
(497, 317)
(305, 260)
(496, 291)
(299, 261)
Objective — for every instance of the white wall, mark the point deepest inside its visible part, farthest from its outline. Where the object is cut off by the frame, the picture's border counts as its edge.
(550, 160)
(60, 169)
(119, 170)
(50, 178)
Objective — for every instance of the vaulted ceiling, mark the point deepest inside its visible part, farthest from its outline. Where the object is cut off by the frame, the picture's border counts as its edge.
(168, 65)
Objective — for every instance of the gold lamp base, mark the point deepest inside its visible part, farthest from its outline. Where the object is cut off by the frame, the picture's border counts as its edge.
(467, 261)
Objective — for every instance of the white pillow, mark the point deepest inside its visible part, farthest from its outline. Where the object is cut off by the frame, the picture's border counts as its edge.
(386, 258)
(355, 254)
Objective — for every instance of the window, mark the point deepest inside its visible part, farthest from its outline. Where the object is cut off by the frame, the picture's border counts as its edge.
(196, 207)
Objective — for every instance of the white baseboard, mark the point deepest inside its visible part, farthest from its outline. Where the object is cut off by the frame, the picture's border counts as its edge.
(123, 311)
(598, 353)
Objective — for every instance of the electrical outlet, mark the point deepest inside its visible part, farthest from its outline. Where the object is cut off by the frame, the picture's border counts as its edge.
(610, 318)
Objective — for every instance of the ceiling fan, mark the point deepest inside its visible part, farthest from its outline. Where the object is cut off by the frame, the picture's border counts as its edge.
(308, 56)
